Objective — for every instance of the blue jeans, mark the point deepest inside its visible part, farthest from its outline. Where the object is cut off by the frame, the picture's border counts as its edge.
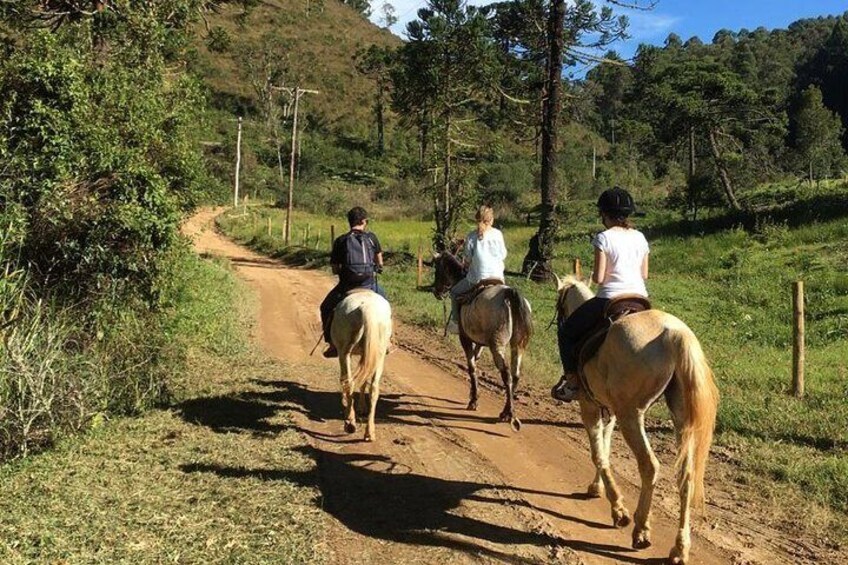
(576, 327)
(457, 290)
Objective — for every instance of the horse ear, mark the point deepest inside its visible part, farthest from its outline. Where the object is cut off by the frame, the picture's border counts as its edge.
(559, 282)
(436, 255)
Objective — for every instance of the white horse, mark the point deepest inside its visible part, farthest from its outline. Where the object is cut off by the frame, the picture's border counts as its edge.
(362, 325)
(644, 356)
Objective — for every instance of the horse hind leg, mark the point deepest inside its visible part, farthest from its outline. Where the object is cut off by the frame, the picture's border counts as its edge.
(633, 430)
(347, 393)
(516, 357)
(680, 552)
(508, 413)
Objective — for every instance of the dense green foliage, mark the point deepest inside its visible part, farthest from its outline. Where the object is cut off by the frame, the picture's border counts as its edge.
(732, 113)
(97, 165)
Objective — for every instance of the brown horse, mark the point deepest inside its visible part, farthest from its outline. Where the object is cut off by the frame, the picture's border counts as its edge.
(644, 356)
(497, 317)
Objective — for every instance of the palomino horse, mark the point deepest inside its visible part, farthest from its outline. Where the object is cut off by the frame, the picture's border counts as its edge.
(362, 325)
(497, 317)
(644, 356)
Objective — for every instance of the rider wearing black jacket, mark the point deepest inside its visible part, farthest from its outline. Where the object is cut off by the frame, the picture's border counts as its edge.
(357, 258)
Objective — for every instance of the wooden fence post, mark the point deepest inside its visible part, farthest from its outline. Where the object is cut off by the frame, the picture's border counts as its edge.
(798, 339)
(578, 271)
(420, 267)
(332, 235)
(269, 226)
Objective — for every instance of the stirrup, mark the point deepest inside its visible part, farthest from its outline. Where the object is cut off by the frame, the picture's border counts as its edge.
(566, 390)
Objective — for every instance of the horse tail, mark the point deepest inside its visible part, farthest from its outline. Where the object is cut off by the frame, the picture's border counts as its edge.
(374, 343)
(522, 319)
(700, 400)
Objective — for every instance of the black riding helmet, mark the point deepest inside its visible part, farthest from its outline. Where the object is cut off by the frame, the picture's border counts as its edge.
(616, 203)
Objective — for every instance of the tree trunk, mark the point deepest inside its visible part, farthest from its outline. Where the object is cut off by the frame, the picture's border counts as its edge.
(537, 262)
(691, 153)
(722, 171)
(381, 148)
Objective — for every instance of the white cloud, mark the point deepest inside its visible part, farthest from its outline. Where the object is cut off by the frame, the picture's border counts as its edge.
(646, 26)
(406, 11)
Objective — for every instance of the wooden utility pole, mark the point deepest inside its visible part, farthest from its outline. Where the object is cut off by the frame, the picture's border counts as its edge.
(594, 162)
(798, 348)
(238, 165)
(296, 93)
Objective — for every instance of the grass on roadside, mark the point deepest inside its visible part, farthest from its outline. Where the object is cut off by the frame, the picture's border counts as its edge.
(221, 477)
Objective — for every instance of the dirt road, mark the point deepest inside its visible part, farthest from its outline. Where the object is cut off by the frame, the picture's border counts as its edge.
(441, 483)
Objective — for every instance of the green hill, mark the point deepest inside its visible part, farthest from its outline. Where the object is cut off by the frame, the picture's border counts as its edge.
(319, 47)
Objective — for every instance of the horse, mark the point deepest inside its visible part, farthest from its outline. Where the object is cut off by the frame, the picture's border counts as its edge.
(644, 356)
(362, 325)
(496, 318)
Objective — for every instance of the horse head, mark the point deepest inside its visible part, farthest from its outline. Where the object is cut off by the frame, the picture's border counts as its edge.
(571, 293)
(449, 271)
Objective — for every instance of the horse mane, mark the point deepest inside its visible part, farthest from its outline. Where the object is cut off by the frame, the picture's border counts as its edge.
(456, 268)
(564, 285)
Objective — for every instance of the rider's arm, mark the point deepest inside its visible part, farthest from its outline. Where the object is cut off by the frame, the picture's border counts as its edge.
(379, 259)
(599, 272)
(645, 267)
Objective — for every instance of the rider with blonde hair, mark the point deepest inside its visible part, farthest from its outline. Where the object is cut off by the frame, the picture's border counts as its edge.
(621, 267)
(485, 252)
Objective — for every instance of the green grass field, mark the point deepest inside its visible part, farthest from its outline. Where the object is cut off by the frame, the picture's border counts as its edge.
(732, 286)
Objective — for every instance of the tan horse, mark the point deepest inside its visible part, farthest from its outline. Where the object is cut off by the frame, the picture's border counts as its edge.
(362, 325)
(644, 356)
(498, 317)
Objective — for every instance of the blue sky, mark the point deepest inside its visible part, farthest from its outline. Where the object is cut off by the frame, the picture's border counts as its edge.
(686, 18)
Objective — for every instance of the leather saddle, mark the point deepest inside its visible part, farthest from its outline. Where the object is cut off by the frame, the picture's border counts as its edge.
(468, 297)
(357, 290)
(618, 308)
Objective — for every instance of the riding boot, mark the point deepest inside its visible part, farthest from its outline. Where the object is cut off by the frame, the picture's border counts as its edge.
(330, 352)
(567, 389)
(452, 327)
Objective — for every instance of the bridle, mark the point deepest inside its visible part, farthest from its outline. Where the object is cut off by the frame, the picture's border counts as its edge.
(443, 283)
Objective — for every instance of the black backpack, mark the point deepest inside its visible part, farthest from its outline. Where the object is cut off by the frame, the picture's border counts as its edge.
(359, 258)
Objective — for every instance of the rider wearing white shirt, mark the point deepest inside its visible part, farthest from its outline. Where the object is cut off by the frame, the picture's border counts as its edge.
(485, 252)
(621, 267)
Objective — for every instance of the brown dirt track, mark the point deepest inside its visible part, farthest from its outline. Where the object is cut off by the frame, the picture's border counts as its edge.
(442, 484)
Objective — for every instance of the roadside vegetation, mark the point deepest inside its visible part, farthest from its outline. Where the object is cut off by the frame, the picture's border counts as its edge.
(731, 285)
(190, 482)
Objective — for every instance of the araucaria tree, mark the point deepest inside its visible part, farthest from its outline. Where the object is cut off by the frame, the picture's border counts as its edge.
(375, 63)
(817, 136)
(444, 73)
(572, 31)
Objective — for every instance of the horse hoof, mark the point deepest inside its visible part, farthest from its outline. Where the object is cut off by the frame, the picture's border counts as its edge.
(350, 427)
(642, 540)
(595, 490)
(369, 438)
(472, 406)
(678, 556)
(620, 518)
(516, 425)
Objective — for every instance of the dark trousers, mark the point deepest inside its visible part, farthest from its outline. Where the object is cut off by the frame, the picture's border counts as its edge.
(336, 296)
(574, 328)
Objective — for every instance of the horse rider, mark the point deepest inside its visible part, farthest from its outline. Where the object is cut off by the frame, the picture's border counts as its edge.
(356, 258)
(620, 267)
(485, 252)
